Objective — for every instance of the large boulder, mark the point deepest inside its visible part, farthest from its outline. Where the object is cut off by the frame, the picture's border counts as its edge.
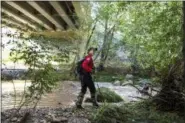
(106, 95)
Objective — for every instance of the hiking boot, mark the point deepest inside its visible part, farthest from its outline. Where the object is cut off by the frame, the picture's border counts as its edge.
(79, 107)
(79, 101)
(94, 100)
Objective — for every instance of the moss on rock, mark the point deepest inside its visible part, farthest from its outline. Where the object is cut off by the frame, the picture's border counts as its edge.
(106, 95)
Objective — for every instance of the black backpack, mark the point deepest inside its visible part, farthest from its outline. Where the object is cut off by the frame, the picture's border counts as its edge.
(78, 68)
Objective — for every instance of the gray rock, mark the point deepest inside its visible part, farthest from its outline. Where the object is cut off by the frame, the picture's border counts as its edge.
(14, 119)
(5, 121)
(114, 77)
(78, 120)
(117, 83)
(127, 82)
(129, 76)
(42, 121)
(50, 117)
(59, 120)
(53, 119)
(142, 82)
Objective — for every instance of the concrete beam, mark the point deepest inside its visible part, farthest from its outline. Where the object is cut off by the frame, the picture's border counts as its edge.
(78, 11)
(45, 13)
(77, 7)
(17, 23)
(12, 21)
(18, 17)
(14, 25)
(63, 35)
(29, 14)
(56, 5)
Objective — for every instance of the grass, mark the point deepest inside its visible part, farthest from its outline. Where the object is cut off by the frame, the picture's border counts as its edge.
(139, 112)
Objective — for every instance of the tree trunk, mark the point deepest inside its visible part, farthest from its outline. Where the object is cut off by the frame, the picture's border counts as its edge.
(82, 50)
(101, 65)
(89, 39)
(184, 43)
(184, 50)
(108, 35)
(109, 43)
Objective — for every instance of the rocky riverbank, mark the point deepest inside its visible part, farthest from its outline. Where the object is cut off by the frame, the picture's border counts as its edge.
(57, 107)
(50, 115)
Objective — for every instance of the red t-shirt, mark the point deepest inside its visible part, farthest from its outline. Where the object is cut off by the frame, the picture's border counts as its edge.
(88, 64)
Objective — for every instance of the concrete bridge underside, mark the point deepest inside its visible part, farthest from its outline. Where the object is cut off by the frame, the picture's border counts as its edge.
(41, 16)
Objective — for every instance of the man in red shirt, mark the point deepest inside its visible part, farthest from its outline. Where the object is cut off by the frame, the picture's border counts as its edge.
(86, 80)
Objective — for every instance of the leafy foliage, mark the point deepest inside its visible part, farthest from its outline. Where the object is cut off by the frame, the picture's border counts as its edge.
(134, 113)
(152, 32)
(43, 81)
(38, 58)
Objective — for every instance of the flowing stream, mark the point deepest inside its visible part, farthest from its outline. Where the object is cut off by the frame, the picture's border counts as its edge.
(63, 95)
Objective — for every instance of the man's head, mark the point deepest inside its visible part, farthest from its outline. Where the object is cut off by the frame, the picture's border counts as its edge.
(91, 50)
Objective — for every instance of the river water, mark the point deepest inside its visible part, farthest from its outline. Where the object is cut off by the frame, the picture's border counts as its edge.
(63, 96)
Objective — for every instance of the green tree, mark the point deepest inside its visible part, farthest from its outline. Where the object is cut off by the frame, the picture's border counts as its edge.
(107, 14)
(152, 33)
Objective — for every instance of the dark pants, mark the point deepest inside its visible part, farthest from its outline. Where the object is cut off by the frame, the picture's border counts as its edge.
(86, 82)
